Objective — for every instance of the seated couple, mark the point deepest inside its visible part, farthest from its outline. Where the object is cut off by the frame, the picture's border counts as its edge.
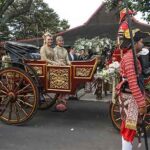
(55, 56)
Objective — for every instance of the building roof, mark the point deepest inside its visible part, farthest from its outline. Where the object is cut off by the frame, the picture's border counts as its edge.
(100, 23)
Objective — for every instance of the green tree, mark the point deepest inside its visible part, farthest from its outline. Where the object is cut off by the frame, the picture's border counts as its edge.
(138, 5)
(9, 9)
(63, 25)
(6, 15)
(38, 19)
(4, 4)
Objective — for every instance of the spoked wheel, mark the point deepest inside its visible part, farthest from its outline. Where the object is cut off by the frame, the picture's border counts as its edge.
(49, 99)
(115, 115)
(18, 96)
(147, 116)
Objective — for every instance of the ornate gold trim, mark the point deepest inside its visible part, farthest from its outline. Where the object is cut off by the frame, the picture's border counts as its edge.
(131, 124)
(42, 70)
(83, 72)
(84, 68)
(59, 78)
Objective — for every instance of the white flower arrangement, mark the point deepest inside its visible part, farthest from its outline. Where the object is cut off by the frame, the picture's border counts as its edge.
(96, 44)
(113, 68)
(114, 65)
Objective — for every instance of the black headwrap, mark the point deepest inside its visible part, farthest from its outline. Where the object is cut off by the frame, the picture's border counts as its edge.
(137, 36)
(140, 35)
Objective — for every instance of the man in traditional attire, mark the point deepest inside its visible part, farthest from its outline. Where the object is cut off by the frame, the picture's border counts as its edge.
(120, 50)
(123, 26)
(131, 97)
(61, 57)
(46, 51)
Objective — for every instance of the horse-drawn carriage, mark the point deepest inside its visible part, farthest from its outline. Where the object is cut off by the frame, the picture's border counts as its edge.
(26, 82)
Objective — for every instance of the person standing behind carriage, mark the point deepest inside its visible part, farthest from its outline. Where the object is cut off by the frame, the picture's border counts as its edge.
(61, 57)
(82, 55)
(131, 97)
(46, 51)
(72, 54)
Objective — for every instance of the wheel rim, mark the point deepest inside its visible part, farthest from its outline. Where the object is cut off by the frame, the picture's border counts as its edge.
(115, 115)
(18, 96)
(147, 117)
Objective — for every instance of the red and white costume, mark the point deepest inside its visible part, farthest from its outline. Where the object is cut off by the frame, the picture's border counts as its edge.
(130, 102)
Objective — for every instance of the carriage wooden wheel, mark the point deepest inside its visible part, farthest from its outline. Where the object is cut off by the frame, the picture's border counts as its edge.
(47, 100)
(116, 118)
(115, 115)
(18, 96)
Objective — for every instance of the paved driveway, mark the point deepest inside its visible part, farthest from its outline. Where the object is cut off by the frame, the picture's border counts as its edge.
(85, 126)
